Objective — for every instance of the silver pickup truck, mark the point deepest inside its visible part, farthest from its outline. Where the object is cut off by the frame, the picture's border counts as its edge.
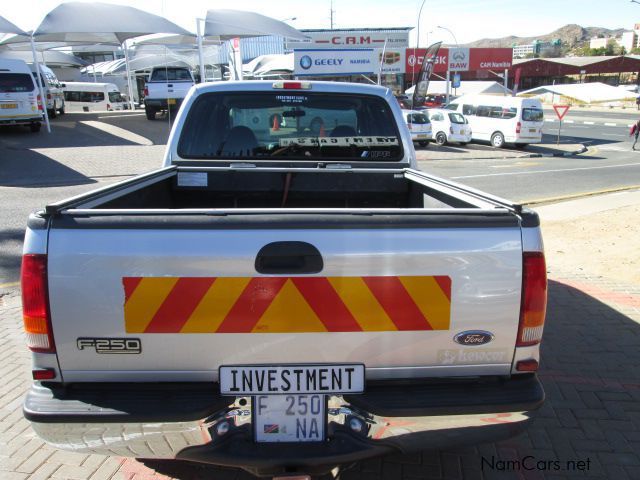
(166, 89)
(288, 278)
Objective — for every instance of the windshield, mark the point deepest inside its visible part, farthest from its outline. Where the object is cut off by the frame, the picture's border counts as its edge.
(532, 114)
(456, 118)
(115, 97)
(16, 82)
(170, 74)
(290, 125)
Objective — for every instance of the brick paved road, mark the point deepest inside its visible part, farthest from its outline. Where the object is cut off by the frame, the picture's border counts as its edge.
(590, 370)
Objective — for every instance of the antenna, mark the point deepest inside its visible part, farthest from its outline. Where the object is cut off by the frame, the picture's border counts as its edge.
(331, 12)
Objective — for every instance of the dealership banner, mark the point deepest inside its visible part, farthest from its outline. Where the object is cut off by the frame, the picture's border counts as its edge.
(335, 62)
(466, 59)
(337, 39)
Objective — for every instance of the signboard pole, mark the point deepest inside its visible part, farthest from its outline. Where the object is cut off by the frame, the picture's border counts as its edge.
(559, 127)
(448, 86)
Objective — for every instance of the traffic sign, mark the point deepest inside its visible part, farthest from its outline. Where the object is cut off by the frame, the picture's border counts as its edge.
(561, 110)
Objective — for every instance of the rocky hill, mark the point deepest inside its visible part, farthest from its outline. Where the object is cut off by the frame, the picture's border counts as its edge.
(571, 36)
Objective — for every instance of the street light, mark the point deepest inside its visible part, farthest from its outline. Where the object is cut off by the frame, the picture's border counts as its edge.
(290, 19)
(413, 73)
(454, 37)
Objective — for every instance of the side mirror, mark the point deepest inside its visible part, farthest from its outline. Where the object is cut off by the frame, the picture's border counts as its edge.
(63, 85)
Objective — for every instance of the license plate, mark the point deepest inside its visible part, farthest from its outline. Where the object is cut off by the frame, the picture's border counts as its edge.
(171, 101)
(238, 380)
(532, 130)
(8, 105)
(422, 136)
(289, 418)
(461, 132)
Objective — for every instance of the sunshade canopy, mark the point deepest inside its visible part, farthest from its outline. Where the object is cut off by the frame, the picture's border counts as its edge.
(228, 24)
(51, 58)
(77, 22)
(7, 27)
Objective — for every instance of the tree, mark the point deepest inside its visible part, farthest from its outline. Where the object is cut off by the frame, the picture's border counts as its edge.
(611, 47)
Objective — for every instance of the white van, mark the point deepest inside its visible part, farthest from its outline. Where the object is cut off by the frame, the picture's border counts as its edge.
(52, 90)
(502, 120)
(19, 99)
(91, 97)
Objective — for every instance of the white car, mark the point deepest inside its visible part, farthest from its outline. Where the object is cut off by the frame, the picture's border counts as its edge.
(20, 102)
(448, 126)
(419, 126)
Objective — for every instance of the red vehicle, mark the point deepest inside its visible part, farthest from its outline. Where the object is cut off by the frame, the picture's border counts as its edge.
(435, 101)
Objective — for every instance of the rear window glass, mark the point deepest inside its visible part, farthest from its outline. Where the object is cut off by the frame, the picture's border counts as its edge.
(16, 82)
(532, 114)
(170, 74)
(456, 118)
(85, 97)
(417, 118)
(286, 125)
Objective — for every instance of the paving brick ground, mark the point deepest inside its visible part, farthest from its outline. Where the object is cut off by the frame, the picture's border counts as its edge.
(588, 426)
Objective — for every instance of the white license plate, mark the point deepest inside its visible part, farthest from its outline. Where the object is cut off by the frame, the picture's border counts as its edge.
(532, 130)
(238, 380)
(289, 418)
(171, 101)
(461, 132)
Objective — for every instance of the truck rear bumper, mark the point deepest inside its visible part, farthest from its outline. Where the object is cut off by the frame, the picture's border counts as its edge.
(196, 424)
(163, 103)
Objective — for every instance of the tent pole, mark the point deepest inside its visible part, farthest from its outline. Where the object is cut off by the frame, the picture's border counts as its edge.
(200, 59)
(40, 87)
(129, 87)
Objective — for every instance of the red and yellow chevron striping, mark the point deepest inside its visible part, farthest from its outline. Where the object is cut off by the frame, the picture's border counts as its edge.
(286, 304)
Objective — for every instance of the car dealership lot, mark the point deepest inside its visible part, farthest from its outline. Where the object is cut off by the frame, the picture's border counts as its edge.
(588, 426)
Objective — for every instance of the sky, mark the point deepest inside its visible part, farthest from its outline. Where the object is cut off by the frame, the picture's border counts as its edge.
(468, 20)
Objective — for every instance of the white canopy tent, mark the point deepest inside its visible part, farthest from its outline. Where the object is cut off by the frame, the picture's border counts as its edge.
(269, 65)
(467, 87)
(592, 93)
(78, 23)
(224, 24)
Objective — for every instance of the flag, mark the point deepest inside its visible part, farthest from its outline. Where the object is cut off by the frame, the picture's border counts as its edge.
(420, 90)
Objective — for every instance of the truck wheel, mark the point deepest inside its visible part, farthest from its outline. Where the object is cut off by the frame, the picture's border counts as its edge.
(497, 140)
(441, 138)
(423, 144)
(61, 110)
(35, 127)
(151, 113)
(52, 113)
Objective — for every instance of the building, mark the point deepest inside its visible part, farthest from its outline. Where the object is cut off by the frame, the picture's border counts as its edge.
(628, 40)
(534, 48)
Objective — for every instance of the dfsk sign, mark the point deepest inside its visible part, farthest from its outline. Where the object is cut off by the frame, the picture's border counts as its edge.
(461, 59)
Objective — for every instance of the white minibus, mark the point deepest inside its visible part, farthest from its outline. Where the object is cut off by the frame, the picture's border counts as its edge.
(502, 120)
(20, 102)
(92, 97)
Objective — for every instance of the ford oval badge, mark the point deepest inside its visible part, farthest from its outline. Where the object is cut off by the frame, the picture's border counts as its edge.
(473, 338)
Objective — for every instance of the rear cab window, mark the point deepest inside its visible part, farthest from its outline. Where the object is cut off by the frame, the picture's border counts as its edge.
(290, 126)
(16, 83)
(417, 118)
(457, 118)
(171, 75)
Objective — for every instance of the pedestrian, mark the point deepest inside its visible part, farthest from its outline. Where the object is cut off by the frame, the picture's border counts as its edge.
(635, 131)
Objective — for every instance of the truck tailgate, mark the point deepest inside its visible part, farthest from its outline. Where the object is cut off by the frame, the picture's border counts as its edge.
(190, 300)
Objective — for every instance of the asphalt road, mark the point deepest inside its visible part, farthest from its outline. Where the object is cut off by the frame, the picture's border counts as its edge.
(90, 150)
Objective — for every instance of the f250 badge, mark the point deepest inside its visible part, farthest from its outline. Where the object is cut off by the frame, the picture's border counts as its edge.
(111, 345)
(473, 337)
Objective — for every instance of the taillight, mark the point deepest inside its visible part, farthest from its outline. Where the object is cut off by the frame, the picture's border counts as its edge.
(146, 92)
(451, 129)
(48, 96)
(35, 303)
(410, 126)
(108, 106)
(39, 102)
(287, 85)
(534, 299)
(518, 127)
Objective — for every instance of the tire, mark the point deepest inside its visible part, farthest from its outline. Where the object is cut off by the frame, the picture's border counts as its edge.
(441, 138)
(52, 113)
(35, 127)
(423, 144)
(464, 144)
(61, 110)
(497, 140)
(151, 113)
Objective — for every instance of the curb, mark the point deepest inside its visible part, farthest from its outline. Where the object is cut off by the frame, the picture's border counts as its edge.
(521, 155)
(560, 154)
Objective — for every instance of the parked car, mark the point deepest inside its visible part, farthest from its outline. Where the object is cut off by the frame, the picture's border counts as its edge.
(435, 101)
(448, 126)
(166, 89)
(281, 301)
(52, 90)
(502, 120)
(89, 96)
(419, 125)
(20, 102)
